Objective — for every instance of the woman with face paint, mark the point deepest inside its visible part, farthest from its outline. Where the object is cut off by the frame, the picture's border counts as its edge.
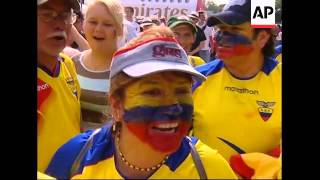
(238, 108)
(103, 29)
(152, 106)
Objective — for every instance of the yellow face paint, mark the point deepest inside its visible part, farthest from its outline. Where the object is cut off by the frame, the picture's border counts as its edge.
(161, 89)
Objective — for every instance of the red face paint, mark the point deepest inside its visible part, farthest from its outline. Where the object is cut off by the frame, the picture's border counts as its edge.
(160, 141)
(229, 45)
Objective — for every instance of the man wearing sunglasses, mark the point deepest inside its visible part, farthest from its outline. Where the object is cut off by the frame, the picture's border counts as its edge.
(58, 107)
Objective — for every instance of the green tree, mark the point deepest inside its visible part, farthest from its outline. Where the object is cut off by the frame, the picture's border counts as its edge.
(278, 11)
(212, 7)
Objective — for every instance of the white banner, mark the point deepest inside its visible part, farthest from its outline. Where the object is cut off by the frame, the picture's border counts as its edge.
(164, 8)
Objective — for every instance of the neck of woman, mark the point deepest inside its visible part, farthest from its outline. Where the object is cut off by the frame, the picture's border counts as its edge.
(97, 61)
(138, 154)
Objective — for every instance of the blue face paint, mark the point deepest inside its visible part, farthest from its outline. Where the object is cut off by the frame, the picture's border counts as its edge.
(162, 113)
(228, 45)
(230, 39)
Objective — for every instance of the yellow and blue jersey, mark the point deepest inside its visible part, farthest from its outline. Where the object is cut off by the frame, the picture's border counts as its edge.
(43, 176)
(236, 115)
(278, 53)
(99, 161)
(58, 109)
(279, 58)
(196, 61)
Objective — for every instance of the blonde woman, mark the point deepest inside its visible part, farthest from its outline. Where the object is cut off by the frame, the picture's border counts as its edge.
(103, 28)
(152, 106)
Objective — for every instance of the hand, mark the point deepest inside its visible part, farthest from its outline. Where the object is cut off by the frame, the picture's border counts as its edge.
(73, 33)
(256, 166)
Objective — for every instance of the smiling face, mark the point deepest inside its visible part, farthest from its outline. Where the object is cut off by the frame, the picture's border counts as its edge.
(158, 108)
(100, 28)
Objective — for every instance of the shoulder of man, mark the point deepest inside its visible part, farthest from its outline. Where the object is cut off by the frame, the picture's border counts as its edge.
(66, 59)
(207, 70)
(210, 68)
(271, 66)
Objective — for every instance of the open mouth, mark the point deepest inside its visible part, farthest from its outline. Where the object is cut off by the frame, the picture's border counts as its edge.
(58, 38)
(166, 127)
(98, 38)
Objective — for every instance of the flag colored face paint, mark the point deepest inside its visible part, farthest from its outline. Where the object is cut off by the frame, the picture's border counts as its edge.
(158, 110)
(228, 45)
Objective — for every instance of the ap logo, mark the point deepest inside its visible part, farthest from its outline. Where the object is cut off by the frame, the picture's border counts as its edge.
(263, 13)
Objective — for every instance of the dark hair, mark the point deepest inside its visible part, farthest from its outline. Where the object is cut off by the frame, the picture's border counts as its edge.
(268, 49)
(129, 7)
(79, 15)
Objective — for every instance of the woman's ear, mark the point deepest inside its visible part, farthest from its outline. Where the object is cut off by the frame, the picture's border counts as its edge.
(117, 108)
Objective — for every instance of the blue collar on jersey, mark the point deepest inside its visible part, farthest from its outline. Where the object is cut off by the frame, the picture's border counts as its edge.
(102, 148)
(217, 64)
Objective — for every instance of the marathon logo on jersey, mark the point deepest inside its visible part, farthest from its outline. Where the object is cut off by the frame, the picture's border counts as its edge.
(72, 85)
(163, 51)
(44, 91)
(263, 13)
(265, 110)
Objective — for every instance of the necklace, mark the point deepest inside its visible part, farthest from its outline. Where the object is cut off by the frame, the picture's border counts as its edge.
(133, 166)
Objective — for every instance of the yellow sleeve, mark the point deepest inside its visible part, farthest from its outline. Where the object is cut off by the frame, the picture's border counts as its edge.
(215, 165)
(264, 166)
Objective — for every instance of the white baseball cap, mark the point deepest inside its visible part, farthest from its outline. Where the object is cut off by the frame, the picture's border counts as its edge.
(152, 56)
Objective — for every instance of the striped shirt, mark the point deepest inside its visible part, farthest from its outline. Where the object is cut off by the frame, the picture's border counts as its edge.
(94, 94)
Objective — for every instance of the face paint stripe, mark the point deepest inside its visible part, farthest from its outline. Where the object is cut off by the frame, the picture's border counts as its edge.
(231, 38)
(161, 113)
(229, 45)
(159, 141)
(153, 103)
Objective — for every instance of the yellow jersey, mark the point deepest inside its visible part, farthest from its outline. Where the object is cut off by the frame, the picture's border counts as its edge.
(99, 161)
(196, 61)
(236, 115)
(58, 109)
